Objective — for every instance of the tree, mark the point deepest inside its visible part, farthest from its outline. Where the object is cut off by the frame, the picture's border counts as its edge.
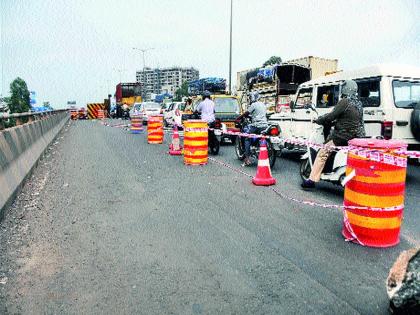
(182, 91)
(19, 101)
(272, 61)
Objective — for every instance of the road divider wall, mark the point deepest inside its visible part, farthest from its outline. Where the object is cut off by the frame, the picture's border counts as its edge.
(20, 149)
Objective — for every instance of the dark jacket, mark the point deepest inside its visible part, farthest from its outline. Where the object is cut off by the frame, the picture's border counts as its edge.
(347, 118)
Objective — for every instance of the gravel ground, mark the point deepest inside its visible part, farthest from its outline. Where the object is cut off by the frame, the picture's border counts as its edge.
(108, 224)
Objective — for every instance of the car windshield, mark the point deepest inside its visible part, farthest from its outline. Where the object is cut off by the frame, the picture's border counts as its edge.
(226, 105)
(151, 105)
(406, 93)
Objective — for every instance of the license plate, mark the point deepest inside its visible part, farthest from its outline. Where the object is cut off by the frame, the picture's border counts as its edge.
(230, 124)
(275, 140)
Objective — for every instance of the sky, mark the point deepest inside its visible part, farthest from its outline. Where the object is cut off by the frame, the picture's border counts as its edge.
(80, 49)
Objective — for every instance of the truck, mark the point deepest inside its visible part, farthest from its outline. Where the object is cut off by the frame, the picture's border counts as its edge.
(319, 66)
(276, 84)
(128, 93)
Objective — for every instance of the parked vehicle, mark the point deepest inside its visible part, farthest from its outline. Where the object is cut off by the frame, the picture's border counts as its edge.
(271, 131)
(150, 109)
(172, 115)
(335, 167)
(390, 95)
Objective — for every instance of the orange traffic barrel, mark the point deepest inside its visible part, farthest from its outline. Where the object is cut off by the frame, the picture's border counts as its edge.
(136, 123)
(374, 196)
(195, 142)
(155, 129)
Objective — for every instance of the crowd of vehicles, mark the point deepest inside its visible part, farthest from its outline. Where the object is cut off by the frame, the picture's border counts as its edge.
(390, 95)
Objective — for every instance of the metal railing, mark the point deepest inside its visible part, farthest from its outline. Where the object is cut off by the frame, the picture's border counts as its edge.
(32, 116)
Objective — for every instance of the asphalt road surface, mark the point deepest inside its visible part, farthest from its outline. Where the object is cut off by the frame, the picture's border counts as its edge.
(108, 224)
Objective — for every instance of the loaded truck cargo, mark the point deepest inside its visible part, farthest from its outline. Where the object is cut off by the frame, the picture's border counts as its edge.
(319, 66)
(275, 84)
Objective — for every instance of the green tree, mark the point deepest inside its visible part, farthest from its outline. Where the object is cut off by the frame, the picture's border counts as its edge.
(19, 101)
(272, 61)
(181, 92)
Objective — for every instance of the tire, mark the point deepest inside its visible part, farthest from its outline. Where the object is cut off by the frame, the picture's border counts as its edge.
(304, 169)
(214, 147)
(239, 149)
(272, 154)
(415, 122)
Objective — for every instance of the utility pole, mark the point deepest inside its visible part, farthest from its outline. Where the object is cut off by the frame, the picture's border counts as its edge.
(143, 50)
(120, 71)
(230, 50)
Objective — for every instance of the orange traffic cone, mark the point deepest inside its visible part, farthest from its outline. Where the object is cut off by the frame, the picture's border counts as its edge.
(175, 147)
(263, 177)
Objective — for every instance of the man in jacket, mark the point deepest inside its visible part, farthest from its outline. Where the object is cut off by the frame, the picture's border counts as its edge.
(258, 113)
(347, 118)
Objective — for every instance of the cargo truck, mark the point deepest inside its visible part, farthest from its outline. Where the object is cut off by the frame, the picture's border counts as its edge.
(128, 93)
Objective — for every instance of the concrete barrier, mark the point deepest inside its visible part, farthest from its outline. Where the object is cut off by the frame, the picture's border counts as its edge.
(20, 149)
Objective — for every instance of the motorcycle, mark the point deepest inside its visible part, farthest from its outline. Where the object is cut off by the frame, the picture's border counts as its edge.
(126, 114)
(272, 131)
(335, 167)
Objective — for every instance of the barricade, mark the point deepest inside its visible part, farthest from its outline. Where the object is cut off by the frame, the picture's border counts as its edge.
(93, 109)
(136, 124)
(195, 142)
(374, 184)
(155, 129)
(74, 114)
(101, 114)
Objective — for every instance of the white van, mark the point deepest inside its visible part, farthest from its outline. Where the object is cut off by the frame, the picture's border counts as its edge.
(388, 93)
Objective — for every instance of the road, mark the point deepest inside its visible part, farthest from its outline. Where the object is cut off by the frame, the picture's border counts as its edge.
(109, 224)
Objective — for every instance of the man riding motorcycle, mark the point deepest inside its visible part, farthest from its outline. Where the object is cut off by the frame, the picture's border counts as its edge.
(206, 108)
(258, 112)
(347, 118)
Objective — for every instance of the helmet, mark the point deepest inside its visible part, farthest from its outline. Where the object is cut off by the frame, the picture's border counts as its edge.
(254, 96)
(206, 94)
(349, 87)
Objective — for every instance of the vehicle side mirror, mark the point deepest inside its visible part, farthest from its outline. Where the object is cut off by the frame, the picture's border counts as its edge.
(311, 107)
(292, 105)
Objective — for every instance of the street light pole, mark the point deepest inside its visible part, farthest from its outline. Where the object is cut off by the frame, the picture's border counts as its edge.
(144, 66)
(230, 49)
(120, 71)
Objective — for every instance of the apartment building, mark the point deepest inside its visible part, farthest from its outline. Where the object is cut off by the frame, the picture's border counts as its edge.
(157, 81)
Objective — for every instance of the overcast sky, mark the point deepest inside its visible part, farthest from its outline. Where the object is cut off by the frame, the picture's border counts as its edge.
(70, 49)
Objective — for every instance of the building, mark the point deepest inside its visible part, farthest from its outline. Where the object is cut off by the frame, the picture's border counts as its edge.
(157, 81)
